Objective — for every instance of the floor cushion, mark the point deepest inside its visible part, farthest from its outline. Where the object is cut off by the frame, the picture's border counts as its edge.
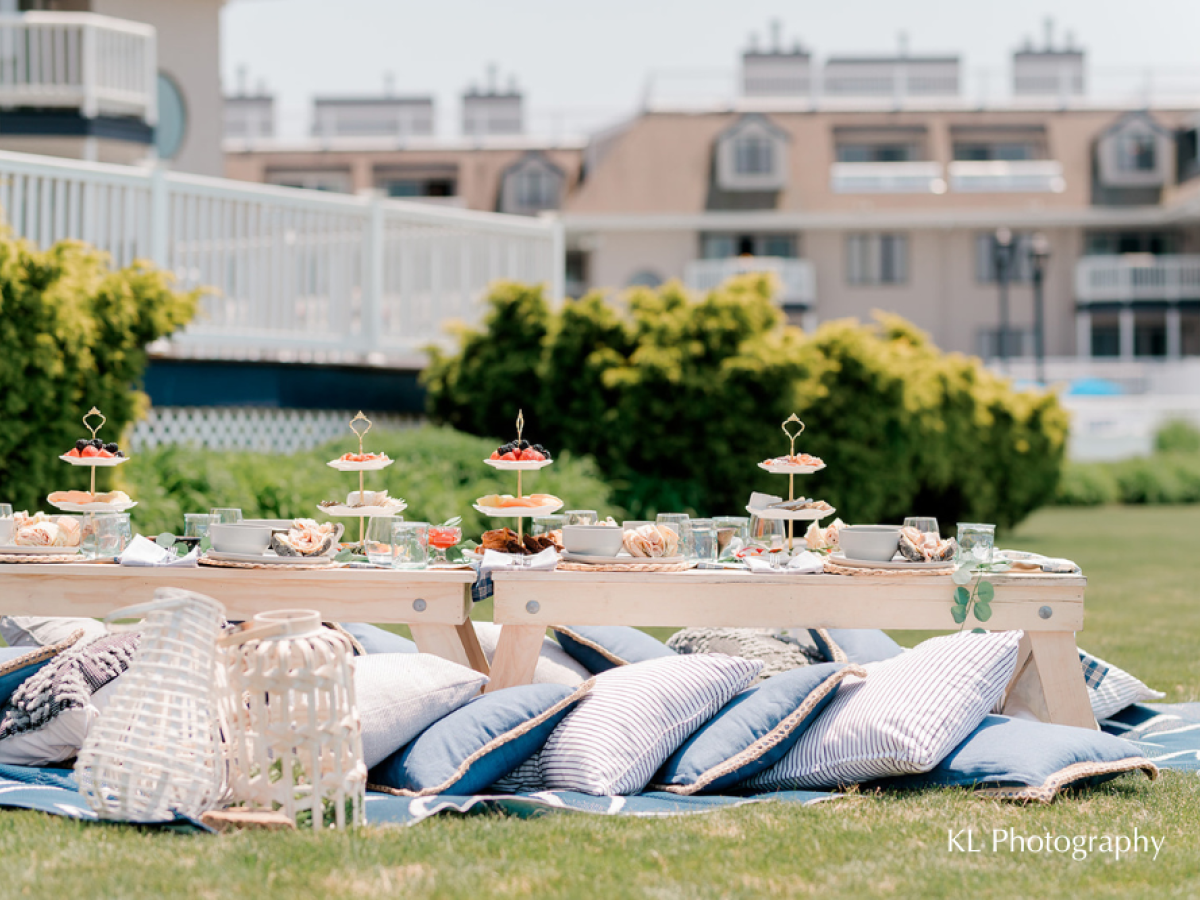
(18, 663)
(599, 648)
(635, 717)
(1116, 690)
(904, 717)
(42, 631)
(753, 731)
(554, 665)
(478, 743)
(373, 639)
(750, 643)
(1014, 759)
(854, 645)
(399, 695)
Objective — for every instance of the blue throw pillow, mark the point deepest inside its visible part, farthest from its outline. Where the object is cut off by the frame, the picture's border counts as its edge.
(475, 745)
(753, 731)
(1016, 759)
(18, 663)
(599, 648)
(855, 645)
(374, 639)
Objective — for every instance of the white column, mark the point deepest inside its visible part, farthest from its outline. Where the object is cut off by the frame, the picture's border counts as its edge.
(1083, 332)
(1174, 332)
(1125, 320)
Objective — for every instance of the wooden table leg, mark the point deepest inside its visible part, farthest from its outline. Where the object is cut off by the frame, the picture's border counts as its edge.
(516, 657)
(1058, 668)
(470, 642)
(446, 641)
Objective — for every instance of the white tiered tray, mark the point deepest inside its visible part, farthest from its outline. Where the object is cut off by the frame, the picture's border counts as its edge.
(528, 465)
(362, 512)
(515, 512)
(798, 515)
(93, 507)
(343, 465)
(789, 469)
(94, 462)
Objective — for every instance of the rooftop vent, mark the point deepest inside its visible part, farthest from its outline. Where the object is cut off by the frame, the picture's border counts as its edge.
(493, 110)
(776, 71)
(1052, 71)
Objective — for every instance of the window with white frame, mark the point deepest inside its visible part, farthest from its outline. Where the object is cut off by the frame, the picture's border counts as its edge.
(753, 154)
(537, 188)
(1137, 152)
(876, 259)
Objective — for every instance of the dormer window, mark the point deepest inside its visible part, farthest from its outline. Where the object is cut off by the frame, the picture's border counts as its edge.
(752, 156)
(1137, 153)
(1134, 153)
(531, 185)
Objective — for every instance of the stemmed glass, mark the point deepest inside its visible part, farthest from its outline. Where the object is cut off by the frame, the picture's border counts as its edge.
(442, 538)
(923, 524)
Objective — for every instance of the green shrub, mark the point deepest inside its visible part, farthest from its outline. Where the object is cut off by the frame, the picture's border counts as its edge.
(1147, 480)
(1087, 484)
(1177, 436)
(677, 399)
(73, 334)
(439, 472)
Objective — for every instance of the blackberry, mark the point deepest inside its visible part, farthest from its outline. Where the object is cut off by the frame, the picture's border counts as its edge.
(111, 448)
(119, 453)
(97, 443)
(79, 445)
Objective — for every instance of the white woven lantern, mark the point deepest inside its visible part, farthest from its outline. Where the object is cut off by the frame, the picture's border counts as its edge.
(293, 734)
(156, 748)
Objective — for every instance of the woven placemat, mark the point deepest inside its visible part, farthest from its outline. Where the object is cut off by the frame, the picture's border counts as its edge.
(833, 568)
(632, 567)
(228, 564)
(64, 558)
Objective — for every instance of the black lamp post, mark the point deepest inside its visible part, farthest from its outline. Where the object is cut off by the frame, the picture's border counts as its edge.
(1003, 257)
(1039, 254)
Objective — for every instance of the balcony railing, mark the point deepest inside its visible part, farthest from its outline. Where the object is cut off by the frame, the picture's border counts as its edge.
(291, 274)
(97, 64)
(796, 276)
(887, 178)
(1031, 176)
(1137, 276)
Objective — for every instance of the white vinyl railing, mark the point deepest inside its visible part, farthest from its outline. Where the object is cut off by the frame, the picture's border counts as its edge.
(887, 178)
(96, 63)
(1035, 176)
(1137, 276)
(290, 273)
(795, 275)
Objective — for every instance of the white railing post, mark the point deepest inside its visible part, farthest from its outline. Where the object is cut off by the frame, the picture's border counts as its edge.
(90, 70)
(160, 217)
(150, 87)
(558, 261)
(372, 289)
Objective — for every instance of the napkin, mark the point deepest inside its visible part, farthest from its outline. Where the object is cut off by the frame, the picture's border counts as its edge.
(762, 501)
(144, 552)
(803, 563)
(494, 560)
(1024, 561)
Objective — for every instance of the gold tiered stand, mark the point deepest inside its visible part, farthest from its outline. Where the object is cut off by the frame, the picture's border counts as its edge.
(791, 470)
(518, 466)
(361, 468)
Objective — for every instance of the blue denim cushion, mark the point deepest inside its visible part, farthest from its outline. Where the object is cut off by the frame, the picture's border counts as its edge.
(855, 645)
(484, 740)
(753, 731)
(374, 639)
(599, 648)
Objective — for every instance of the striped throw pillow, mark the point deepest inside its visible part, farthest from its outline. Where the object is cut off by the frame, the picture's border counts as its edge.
(1116, 690)
(636, 716)
(903, 718)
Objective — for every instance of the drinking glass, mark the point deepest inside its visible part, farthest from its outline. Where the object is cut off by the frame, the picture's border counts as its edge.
(225, 516)
(411, 542)
(441, 539)
(733, 533)
(923, 524)
(763, 531)
(581, 517)
(546, 524)
(100, 536)
(195, 525)
(976, 540)
(126, 530)
(681, 524)
(381, 549)
(5, 510)
(704, 540)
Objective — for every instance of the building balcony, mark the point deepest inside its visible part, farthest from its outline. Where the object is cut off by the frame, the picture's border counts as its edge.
(1134, 277)
(797, 278)
(1138, 305)
(95, 65)
(887, 178)
(1026, 176)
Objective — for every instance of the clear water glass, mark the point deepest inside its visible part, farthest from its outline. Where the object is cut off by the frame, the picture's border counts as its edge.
(976, 541)
(546, 524)
(704, 540)
(6, 511)
(126, 530)
(224, 516)
(733, 533)
(581, 517)
(923, 524)
(100, 536)
(763, 531)
(381, 550)
(681, 524)
(195, 525)
(411, 542)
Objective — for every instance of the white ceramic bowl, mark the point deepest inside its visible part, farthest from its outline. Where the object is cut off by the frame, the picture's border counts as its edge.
(592, 540)
(239, 538)
(877, 543)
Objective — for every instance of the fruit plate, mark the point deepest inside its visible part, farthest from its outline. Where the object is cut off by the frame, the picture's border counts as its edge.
(528, 465)
(898, 564)
(372, 465)
(789, 469)
(93, 507)
(621, 559)
(514, 512)
(14, 550)
(794, 515)
(269, 559)
(363, 512)
(95, 461)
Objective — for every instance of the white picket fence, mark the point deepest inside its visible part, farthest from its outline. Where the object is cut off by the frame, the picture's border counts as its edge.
(291, 274)
(251, 428)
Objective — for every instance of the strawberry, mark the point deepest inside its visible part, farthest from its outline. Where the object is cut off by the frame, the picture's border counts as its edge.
(495, 454)
(73, 453)
(104, 454)
(528, 455)
(89, 451)
(537, 457)
(511, 456)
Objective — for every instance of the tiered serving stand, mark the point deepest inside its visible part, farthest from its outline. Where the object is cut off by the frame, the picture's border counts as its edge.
(791, 470)
(520, 513)
(93, 463)
(362, 513)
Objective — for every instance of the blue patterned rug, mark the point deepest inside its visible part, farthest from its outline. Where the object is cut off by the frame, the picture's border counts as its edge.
(1167, 733)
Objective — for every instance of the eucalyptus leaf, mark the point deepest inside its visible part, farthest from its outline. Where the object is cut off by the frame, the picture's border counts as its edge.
(961, 596)
(979, 631)
(962, 575)
(986, 591)
(983, 611)
(959, 613)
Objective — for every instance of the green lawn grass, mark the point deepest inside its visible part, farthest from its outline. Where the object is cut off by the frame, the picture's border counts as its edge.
(1144, 573)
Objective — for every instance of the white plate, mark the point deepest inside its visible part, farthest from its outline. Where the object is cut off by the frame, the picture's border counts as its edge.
(345, 465)
(94, 507)
(15, 550)
(621, 559)
(94, 461)
(789, 469)
(894, 564)
(270, 559)
(363, 512)
(515, 512)
(798, 515)
(528, 465)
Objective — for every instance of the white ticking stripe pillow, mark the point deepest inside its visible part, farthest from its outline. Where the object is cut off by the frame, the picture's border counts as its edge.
(1117, 690)
(635, 717)
(904, 717)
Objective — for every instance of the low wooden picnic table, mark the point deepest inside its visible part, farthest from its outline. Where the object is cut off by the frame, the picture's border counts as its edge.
(434, 603)
(1048, 608)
